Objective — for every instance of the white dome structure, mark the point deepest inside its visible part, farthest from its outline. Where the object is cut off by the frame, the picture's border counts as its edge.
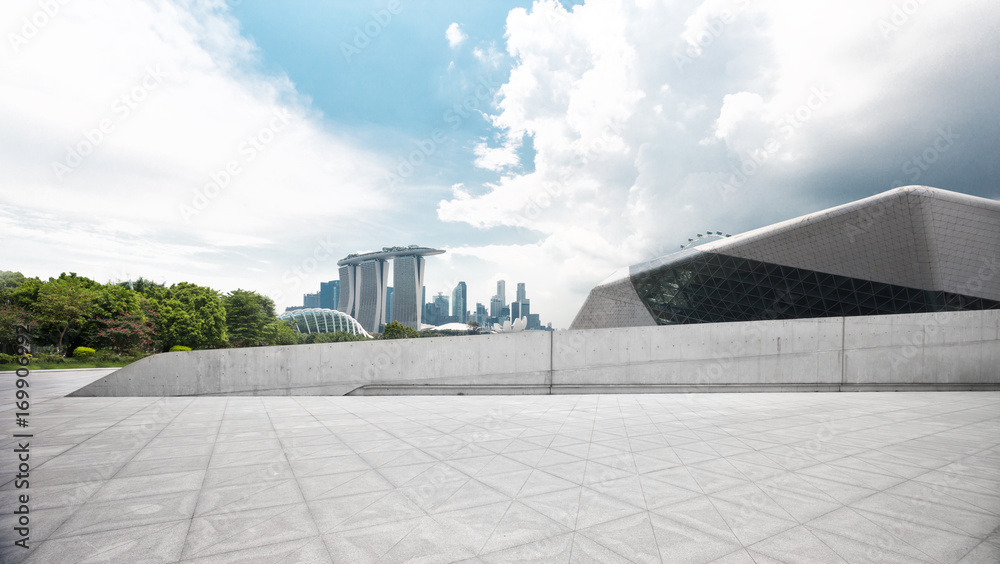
(322, 320)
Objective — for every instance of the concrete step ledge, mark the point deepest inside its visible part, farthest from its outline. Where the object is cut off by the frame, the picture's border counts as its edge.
(457, 390)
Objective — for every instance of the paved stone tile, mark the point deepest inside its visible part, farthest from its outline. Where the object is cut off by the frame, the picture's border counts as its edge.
(220, 533)
(307, 550)
(155, 543)
(729, 478)
(248, 496)
(109, 516)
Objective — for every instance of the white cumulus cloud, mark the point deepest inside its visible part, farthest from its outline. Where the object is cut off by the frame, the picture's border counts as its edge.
(455, 35)
(654, 121)
(142, 134)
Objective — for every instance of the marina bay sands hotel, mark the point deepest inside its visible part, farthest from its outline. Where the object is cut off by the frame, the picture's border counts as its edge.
(364, 278)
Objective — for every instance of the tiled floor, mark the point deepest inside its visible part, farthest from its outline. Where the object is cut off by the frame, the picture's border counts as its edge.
(46, 385)
(733, 478)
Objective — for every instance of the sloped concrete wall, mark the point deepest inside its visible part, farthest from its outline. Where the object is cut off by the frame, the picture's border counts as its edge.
(520, 359)
(934, 351)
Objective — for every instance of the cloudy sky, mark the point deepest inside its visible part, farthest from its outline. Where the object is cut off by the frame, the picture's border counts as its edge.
(251, 144)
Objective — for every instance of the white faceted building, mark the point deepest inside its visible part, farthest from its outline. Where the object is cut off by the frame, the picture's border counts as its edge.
(909, 250)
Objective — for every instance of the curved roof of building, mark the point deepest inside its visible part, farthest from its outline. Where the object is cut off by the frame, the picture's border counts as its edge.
(389, 252)
(915, 237)
(323, 320)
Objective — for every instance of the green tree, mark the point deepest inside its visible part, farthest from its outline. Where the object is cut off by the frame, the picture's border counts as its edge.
(146, 287)
(11, 317)
(114, 300)
(9, 281)
(177, 325)
(64, 302)
(112, 304)
(397, 330)
(281, 332)
(192, 316)
(248, 316)
(26, 293)
(125, 333)
(334, 337)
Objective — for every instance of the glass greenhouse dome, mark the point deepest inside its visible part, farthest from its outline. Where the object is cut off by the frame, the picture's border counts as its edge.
(322, 320)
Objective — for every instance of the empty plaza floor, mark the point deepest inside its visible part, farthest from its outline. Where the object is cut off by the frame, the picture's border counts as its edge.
(728, 478)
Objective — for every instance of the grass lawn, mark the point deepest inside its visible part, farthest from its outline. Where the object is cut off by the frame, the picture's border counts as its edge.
(69, 363)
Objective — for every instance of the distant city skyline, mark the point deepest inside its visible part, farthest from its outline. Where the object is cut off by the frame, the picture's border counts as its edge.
(444, 306)
(238, 145)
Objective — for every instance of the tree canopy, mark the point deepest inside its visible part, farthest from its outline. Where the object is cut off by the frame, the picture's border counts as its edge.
(192, 316)
(397, 330)
(64, 302)
(248, 317)
(142, 316)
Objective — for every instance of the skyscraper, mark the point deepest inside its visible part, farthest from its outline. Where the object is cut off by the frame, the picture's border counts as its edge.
(310, 300)
(372, 281)
(481, 314)
(388, 305)
(408, 284)
(520, 292)
(459, 303)
(346, 302)
(329, 294)
(364, 285)
(502, 291)
(496, 304)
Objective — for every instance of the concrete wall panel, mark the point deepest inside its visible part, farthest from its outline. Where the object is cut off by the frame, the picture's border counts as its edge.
(959, 350)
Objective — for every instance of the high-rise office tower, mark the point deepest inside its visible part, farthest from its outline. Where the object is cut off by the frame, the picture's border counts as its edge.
(329, 294)
(520, 292)
(515, 310)
(459, 303)
(496, 304)
(310, 300)
(533, 322)
(502, 290)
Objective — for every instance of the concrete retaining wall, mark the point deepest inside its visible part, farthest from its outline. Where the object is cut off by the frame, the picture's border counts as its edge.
(939, 351)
